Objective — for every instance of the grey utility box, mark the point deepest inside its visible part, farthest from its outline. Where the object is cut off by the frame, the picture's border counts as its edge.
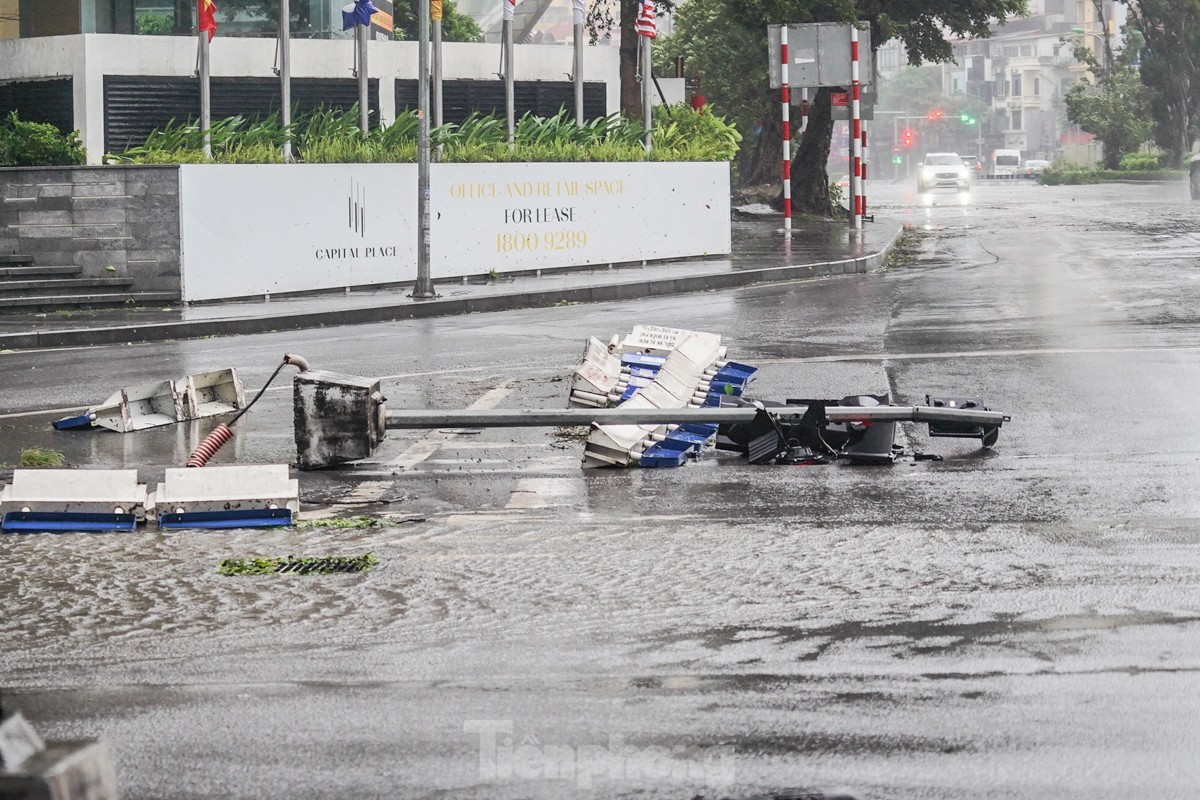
(338, 418)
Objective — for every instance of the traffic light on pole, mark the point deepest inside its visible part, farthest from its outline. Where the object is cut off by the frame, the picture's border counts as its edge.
(907, 137)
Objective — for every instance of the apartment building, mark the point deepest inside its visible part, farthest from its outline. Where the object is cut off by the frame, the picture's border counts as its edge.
(1025, 69)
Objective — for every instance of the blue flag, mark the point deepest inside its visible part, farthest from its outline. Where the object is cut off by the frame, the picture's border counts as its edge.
(357, 13)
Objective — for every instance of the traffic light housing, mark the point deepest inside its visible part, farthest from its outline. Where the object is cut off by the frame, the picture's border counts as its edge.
(907, 137)
(934, 115)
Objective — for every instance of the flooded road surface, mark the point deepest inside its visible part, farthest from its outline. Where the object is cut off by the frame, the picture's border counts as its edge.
(1015, 623)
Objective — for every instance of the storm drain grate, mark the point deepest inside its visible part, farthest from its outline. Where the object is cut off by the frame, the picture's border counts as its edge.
(321, 565)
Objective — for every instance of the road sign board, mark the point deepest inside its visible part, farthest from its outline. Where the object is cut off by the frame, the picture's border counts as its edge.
(819, 55)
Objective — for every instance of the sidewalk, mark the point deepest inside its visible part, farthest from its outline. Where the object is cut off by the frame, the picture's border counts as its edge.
(761, 254)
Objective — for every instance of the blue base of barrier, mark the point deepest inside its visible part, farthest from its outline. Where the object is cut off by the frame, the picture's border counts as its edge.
(62, 522)
(220, 520)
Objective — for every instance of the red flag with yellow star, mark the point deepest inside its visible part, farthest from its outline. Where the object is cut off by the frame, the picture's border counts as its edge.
(207, 22)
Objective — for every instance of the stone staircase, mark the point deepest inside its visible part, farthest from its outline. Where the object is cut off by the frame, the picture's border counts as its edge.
(25, 287)
(88, 237)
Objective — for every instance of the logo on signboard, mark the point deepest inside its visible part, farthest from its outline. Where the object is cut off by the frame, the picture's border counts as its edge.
(356, 208)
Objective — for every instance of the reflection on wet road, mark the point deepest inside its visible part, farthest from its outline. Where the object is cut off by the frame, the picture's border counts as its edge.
(1016, 623)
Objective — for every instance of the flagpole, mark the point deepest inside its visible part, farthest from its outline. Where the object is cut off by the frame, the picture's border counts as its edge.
(436, 11)
(423, 288)
(205, 94)
(285, 76)
(509, 90)
(364, 104)
(577, 69)
(647, 85)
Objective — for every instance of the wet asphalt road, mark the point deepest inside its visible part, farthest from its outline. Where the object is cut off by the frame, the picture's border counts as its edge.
(1019, 623)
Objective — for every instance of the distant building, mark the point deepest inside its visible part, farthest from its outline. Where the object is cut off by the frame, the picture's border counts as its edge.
(80, 65)
(1025, 69)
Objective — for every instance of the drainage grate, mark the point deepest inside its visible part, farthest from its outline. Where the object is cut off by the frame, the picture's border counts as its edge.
(321, 565)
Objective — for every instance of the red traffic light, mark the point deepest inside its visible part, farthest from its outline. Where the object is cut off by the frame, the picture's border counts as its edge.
(933, 115)
(907, 137)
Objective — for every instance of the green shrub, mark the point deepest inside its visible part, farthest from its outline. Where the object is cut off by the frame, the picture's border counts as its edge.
(1141, 161)
(37, 144)
(1070, 176)
(334, 137)
(152, 24)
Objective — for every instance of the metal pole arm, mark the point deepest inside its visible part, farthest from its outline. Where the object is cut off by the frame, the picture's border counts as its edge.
(546, 418)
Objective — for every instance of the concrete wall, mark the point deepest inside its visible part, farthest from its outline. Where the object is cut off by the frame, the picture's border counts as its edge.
(89, 57)
(211, 232)
(94, 218)
(345, 225)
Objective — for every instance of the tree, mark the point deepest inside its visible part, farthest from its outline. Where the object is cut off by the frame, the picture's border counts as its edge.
(299, 14)
(922, 27)
(1170, 68)
(600, 22)
(707, 43)
(1114, 108)
(456, 26)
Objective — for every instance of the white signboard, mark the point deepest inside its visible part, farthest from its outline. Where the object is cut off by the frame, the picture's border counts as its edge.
(262, 229)
(254, 230)
(510, 217)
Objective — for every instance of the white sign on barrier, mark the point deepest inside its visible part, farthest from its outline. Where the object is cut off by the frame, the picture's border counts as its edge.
(252, 230)
(271, 228)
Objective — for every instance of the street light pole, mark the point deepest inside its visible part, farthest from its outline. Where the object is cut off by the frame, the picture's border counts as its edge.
(423, 288)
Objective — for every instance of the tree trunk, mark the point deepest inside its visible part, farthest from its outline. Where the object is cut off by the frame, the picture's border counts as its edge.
(762, 159)
(631, 90)
(810, 180)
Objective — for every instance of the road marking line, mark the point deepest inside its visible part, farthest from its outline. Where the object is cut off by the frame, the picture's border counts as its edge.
(544, 492)
(976, 354)
(373, 491)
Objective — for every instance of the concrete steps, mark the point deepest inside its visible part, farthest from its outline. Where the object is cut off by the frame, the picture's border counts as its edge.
(60, 286)
(50, 302)
(31, 273)
(25, 286)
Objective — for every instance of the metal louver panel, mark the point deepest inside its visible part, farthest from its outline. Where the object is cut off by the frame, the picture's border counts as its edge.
(134, 106)
(542, 98)
(48, 101)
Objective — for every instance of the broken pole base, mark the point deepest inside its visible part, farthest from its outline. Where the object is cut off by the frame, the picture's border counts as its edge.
(68, 770)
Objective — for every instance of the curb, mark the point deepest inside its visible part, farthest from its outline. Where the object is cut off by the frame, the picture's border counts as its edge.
(166, 331)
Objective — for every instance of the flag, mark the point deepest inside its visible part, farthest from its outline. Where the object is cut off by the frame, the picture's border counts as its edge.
(577, 12)
(645, 24)
(207, 22)
(509, 7)
(358, 13)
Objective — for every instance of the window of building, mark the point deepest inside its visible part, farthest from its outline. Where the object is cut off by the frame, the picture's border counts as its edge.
(1026, 50)
(1037, 86)
(1014, 120)
(1015, 91)
(1011, 51)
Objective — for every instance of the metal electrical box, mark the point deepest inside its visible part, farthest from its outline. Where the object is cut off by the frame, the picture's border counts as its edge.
(338, 418)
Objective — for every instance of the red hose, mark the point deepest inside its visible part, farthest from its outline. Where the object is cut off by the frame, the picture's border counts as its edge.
(211, 444)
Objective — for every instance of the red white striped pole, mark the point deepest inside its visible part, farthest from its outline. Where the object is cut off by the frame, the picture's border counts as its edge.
(865, 158)
(787, 128)
(856, 130)
(803, 110)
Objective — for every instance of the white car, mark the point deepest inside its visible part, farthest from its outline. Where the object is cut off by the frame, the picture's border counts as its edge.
(943, 171)
(1033, 166)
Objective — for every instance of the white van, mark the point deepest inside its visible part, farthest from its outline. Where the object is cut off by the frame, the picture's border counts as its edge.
(1006, 163)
